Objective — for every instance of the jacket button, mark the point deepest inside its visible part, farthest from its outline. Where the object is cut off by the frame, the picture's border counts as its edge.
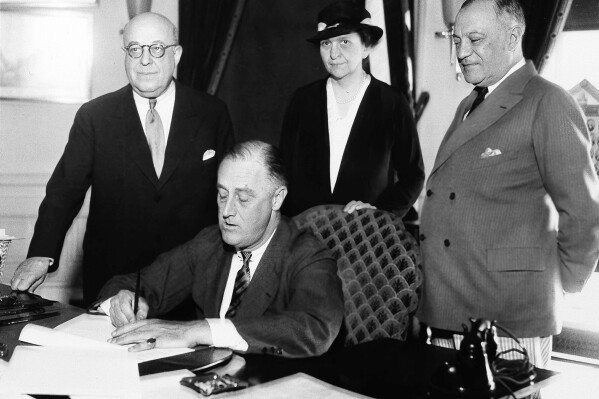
(279, 351)
(452, 196)
(422, 237)
(446, 242)
(429, 193)
(264, 350)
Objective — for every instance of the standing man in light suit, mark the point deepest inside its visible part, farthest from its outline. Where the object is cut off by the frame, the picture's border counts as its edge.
(150, 153)
(511, 216)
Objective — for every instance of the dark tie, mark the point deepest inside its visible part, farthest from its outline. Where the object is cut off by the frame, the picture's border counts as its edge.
(155, 134)
(482, 92)
(242, 280)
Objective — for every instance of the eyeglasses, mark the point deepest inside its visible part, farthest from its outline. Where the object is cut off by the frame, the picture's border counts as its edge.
(156, 50)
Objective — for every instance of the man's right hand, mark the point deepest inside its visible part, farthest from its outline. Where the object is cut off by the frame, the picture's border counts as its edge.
(121, 308)
(30, 274)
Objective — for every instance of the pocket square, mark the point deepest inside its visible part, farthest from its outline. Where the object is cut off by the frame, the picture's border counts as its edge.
(490, 153)
(208, 154)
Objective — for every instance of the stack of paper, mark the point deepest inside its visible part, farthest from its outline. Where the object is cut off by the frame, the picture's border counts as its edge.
(98, 328)
(75, 359)
(61, 370)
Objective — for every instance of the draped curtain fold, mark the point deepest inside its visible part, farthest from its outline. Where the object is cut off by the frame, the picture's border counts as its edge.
(544, 21)
(206, 31)
(400, 43)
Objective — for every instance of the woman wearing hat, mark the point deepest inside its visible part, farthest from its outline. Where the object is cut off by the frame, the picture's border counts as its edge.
(350, 139)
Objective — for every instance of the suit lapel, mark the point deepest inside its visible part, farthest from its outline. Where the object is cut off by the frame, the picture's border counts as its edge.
(136, 142)
(182, 131)
(219, 275)
(494, 107)
(266, 280)
(321, 144)
(359, 138)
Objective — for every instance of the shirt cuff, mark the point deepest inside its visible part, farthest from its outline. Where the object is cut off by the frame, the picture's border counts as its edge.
(105, 306)
(225, 335)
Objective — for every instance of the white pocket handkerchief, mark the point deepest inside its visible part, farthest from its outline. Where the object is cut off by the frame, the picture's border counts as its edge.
(490, 153)
(208, 154)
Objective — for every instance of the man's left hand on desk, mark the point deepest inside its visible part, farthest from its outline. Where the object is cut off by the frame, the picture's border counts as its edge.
(165, 334)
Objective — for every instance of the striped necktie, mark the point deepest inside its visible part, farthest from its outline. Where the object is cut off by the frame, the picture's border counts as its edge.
(155, 135)
(242, 280)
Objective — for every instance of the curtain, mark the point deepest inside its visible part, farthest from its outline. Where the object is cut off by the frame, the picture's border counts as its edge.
(544, 21)
(400, 43)
(206, 32)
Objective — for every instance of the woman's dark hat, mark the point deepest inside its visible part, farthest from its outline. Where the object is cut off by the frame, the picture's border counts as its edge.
(341, 18)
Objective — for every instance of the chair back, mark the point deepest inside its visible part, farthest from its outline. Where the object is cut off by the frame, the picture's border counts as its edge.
(379, 264)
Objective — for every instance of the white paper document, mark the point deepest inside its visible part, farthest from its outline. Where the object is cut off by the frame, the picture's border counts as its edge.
(94, 330)
(60, 370)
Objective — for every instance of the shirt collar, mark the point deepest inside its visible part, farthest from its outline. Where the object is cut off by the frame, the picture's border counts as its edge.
(168, 93)
(513, 69)
(258, 252)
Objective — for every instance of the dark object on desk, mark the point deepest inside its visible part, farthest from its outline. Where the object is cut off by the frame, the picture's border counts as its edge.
(212, 383)
(379, 264)
(14, 299)
(27, 319)
(199, 360)
(3, 350)
(477, 367)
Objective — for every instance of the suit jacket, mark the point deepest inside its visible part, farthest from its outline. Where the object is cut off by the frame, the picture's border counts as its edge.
(292, 307)
(133, 215)
(503, 236)
(382, 163)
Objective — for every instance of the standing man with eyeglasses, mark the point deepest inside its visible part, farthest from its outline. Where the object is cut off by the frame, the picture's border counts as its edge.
(149, 152)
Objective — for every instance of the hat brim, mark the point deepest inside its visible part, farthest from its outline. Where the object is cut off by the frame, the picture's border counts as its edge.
(374, 31)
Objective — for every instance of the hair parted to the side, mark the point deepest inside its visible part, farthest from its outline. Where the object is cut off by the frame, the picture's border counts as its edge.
(511, 8)
(266, 154)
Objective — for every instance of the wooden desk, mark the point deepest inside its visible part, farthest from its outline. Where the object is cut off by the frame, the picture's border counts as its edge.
(384, 368)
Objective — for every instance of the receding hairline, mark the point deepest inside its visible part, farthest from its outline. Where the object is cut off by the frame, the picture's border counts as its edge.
(504, 17)
(152, 17)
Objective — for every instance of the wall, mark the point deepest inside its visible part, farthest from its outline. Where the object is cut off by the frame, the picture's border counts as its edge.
(435, 75)
(33, 136)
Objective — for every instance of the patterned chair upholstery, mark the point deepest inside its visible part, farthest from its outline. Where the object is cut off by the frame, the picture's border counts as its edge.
(379, 264)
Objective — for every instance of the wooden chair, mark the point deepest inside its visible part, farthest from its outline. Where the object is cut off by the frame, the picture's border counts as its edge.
(379, 264)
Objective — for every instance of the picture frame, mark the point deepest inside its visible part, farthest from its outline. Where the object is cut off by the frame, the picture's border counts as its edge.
(45, 54)
(15, 4)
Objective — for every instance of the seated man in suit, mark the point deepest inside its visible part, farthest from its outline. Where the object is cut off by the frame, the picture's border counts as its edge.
(258, 284)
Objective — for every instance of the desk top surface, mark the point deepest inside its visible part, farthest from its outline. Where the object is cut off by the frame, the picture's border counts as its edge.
(380, 368)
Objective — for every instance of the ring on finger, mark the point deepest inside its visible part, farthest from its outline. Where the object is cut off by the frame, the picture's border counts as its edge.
(151, 342)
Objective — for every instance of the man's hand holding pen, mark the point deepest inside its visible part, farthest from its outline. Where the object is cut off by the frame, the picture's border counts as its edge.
(121, 308)
(154, 333)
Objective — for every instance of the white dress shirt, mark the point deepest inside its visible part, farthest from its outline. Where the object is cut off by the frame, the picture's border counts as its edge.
(165, 104)
(224, 333)
(340, 127)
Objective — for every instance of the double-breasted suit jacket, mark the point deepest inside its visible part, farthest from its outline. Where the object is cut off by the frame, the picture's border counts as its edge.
(511, 215)
(133, 214)
(382, 163)
(293, 306)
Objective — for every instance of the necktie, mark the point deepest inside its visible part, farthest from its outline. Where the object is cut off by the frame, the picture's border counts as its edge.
(155, 135)
(242, 280)
(482, 92)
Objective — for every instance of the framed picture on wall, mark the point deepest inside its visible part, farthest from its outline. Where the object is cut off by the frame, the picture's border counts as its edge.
(6, 4)
(46, 54)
